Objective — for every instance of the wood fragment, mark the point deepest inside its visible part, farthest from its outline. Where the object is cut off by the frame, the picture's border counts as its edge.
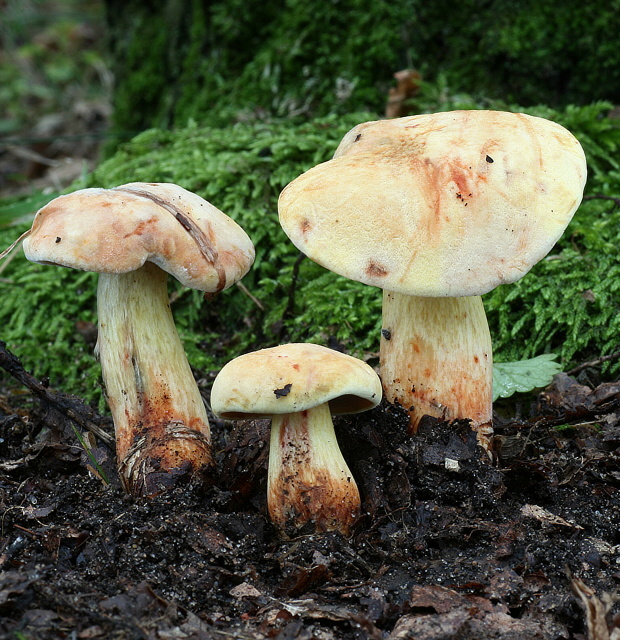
(60, 402)
(596, 610)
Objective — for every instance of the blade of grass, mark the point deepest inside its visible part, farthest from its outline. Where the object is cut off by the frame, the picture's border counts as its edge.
(91, 456)
(14, 212)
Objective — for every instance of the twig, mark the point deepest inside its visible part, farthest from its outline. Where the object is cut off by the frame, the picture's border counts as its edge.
(33, 156)
(9, 255)
(598, 196)
(14, 367)
(28, 531)
(290, 303)
(250, 295)
(8, 250)
(594, 363)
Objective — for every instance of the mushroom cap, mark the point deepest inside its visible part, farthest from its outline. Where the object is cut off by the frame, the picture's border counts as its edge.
(294, 377)
(443, 204)
(118, 230)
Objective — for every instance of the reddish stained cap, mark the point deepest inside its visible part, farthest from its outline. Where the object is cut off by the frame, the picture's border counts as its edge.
(118, 230)
(443, 204)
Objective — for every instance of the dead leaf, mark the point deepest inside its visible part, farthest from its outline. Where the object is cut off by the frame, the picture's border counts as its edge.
(596, 611)
(436, 627)
(38, 512)
(546, 517)
(245, 590)
(436, 597)
(91, 632)
(12, 586)
(604, 393)
(303, 580)
(566, 393)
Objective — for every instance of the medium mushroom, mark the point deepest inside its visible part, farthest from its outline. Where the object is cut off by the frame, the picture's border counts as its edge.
(299, 386)
(133, 235)
(437, 210)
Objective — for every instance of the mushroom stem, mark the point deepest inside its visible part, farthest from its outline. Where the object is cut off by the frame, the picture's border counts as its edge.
(161, 425)
(436, 359)
(308, 479)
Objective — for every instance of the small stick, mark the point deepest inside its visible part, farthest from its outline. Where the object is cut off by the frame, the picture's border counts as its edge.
(594, 363)
(28, 531)
(14, 367)
(290, 303)
(250, 295)
(12, 252)
(599, 196)
(33, 156)
(10, 248)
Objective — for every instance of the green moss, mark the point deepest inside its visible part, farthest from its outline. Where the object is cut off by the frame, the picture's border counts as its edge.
(41, 306)
(569, 303)
(240, 169)
(219, 61)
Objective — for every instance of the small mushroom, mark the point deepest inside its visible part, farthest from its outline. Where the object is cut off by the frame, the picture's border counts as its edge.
(133, 235)
(299, 386)
(436, 210)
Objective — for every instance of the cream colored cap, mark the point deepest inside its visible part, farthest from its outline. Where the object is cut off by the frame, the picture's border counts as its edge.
(118, 230)
(444, 204)
(291, 378)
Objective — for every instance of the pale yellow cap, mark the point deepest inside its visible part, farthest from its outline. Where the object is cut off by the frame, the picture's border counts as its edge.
(291, 378)
(118, 230)
(443, 204)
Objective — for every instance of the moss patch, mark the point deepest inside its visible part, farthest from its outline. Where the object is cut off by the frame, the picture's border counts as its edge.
(569, 303)
(217, 61)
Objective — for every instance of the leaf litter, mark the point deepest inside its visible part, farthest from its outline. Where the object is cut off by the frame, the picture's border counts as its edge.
(450, 545)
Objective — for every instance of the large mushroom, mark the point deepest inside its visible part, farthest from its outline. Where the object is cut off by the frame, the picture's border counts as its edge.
(299, 386)
(437, 210)
(133, 235)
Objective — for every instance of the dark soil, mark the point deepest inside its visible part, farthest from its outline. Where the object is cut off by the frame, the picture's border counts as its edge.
(450, 545)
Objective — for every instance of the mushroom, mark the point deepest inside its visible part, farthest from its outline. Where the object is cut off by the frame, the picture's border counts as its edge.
(436, 210)
(299, 386)
(133, 235)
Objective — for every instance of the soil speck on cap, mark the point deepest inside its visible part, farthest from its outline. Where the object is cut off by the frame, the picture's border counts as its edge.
(286, 389)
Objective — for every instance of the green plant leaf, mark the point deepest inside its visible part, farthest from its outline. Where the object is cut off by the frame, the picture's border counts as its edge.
(524, 375)
(20, 210)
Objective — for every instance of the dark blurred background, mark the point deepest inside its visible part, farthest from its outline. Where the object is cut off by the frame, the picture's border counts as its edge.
(78, 76)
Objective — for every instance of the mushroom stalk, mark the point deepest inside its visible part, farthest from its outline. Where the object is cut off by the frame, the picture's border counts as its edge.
(436, 359)
(443, 204)
(308, 479)
(161, 425)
